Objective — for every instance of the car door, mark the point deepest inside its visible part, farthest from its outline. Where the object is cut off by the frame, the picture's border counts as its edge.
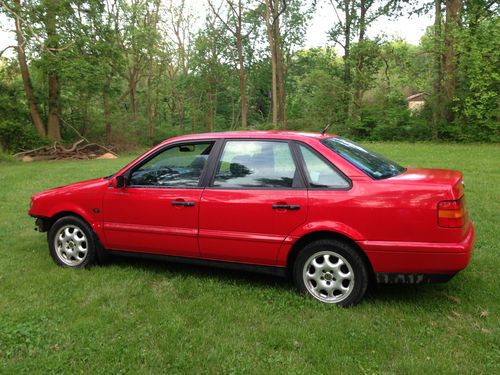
(255, 199)
(157, 210)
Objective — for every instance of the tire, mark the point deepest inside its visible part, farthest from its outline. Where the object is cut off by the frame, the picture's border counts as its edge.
(331, 271)
(72, 243)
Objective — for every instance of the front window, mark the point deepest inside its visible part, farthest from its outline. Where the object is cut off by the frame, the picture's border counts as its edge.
(373, 164)
(177, 166)
(256, 164)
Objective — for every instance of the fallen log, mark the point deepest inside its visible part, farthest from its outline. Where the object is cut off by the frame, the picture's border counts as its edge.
(72, 148)
(81, 150)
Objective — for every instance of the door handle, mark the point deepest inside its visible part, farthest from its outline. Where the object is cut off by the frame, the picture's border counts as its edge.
(182, 203)
(291, 207)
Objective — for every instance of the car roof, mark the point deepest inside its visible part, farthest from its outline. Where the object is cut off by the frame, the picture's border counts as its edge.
(242, 134)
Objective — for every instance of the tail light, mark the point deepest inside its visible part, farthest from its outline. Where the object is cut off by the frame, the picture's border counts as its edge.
(451, 214)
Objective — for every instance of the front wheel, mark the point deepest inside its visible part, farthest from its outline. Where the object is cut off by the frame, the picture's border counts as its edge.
(332, 272)
(72, 243)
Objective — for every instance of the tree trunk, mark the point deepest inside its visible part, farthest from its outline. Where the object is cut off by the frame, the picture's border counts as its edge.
(243, 84)
(25, 74)
(53, 126)
(150, 109)
(107, 114)
(280, 75)
(236, 30)
(272, 46)
(211, 109)
(437, 113)
(358, 90)
(450, 63)
(347, 59)
(180, 108)
(132, 86)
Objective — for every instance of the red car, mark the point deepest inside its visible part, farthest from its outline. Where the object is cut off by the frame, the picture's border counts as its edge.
(320, 208)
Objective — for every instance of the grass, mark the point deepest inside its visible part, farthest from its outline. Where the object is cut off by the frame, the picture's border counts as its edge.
(146, 317)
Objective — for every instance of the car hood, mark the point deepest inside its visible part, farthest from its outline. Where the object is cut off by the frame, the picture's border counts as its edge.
(77, 186)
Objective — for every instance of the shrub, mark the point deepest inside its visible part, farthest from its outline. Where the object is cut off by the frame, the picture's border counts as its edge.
(15, 136)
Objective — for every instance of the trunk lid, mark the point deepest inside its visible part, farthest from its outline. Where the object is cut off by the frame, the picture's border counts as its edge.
(448, 179)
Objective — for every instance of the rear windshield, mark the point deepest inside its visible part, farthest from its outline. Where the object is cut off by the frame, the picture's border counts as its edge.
(373, 164)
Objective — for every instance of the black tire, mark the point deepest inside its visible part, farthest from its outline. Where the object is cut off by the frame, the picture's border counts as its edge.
(76, 245)
(340, 276)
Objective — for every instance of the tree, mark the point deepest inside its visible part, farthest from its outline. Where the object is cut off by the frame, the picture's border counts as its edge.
(52, 43)
(352, 20)
(234, 24)
(179, 24)
(274, 10)
(449, 58)
(49, 49)
(25, 73)
(342, 35)
(438, 69)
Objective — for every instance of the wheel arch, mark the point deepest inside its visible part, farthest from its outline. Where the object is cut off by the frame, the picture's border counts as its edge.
(322, 235)
(61, 214)
(49, 221)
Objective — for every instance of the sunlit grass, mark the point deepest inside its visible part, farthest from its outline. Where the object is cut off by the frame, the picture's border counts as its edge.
(139, 316)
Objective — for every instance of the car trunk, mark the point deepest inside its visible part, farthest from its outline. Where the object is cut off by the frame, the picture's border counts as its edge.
(449, 179)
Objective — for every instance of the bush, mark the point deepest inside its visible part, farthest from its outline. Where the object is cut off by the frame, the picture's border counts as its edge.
(389, 119)
(6, 157)
(16, 137)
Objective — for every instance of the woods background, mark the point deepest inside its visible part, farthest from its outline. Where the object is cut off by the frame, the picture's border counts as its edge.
(134, 72)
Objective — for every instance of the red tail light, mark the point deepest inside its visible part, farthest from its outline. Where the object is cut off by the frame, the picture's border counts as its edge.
(451, 214)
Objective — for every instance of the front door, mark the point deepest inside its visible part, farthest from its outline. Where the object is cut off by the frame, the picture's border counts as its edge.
(255, 200)
(157, 210)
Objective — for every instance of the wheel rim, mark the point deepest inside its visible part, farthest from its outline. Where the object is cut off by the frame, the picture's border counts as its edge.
(71, 245)
(328, 277)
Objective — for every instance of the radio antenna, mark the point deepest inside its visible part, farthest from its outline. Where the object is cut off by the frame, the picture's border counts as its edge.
(325, 129)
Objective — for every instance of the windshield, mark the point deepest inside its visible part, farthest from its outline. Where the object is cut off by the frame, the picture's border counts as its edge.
(373, 164)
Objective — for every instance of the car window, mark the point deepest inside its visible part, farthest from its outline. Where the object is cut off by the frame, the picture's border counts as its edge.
(264, 164)
(177, 166)
(373, 164)
(320, 173)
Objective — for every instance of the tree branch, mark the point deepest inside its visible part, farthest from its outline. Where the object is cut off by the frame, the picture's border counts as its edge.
(6, 48)
(337, 14)
(36, 35)
(216, 13)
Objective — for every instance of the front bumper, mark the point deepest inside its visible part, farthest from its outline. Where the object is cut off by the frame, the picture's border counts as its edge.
(418, 257)
(42, 224)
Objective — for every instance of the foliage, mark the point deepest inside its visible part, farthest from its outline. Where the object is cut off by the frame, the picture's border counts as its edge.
(478, 101)
(16, 131)
(138, 71)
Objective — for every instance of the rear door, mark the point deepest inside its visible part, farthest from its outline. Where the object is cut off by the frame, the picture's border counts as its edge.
(157, 210)
(255, 199)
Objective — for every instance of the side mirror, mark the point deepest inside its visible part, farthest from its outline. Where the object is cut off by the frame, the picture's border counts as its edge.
(119, 181)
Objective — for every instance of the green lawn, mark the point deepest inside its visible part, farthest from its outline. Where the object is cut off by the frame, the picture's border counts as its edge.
(146, 317)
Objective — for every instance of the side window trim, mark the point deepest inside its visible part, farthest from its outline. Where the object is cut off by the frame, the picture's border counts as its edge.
(141, 162)
(218, 150)
(302, 166)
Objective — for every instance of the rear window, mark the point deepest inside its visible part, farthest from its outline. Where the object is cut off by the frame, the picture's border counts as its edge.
(373, 164)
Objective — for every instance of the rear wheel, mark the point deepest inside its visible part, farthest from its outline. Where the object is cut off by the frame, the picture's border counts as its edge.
(72, 243)
(332, 272)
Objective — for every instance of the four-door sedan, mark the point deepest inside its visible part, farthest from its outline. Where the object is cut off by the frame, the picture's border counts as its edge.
(317, 207)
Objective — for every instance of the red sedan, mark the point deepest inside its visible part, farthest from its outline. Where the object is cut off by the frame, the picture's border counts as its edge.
(317, 207)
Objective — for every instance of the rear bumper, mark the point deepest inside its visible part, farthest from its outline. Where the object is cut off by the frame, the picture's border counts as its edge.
(411, 278)
(419, 257)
